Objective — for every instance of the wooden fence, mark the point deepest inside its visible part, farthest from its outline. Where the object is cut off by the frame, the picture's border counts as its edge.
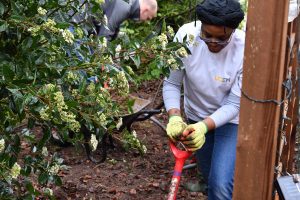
(269, 104)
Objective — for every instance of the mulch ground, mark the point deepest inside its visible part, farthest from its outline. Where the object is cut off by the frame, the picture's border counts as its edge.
(126, 174)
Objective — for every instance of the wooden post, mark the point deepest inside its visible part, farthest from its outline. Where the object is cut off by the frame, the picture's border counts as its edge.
(263, 77)
(292, 112)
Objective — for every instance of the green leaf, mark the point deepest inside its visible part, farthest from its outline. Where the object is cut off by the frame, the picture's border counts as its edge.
(43, 178)
(63, 25)
(26, 171)
(29, 197)
(57, 180)
(40, 60)
(130, 104)
(30, 188)
(136, 59)
(156, 73)
(72, 104)
(46, 137)
(164, 26)
(6, 72)
(31, 122)
(62, 2)
(2, 8)
(12, 161)
(3, 26)
(27, 43)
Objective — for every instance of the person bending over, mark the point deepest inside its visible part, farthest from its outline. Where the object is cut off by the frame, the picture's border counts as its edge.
(211, 79)
(116, 11)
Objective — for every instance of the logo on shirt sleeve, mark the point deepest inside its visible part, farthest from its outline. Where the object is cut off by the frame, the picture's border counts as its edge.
(222, 80)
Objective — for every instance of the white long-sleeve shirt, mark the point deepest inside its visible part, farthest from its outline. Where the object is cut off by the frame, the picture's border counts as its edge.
(211, 81)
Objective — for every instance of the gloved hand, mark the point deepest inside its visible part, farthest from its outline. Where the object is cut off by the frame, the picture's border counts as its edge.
(194, 136)
(175, 127)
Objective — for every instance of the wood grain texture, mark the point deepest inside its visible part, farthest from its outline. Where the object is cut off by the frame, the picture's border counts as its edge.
(262, 79)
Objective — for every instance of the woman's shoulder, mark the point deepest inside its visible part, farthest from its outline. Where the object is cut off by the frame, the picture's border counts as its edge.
(186, 30)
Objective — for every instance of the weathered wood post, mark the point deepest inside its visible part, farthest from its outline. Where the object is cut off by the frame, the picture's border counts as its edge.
(263, 78)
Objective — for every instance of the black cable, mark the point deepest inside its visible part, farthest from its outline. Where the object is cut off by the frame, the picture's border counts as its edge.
(287, 84)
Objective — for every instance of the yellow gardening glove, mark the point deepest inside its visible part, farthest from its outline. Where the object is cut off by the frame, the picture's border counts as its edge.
(175, 127)
(194, 136)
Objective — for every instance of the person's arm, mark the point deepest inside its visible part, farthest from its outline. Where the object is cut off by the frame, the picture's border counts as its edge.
(231, 107)
(194, 134)
(227, 112)
(171, 96)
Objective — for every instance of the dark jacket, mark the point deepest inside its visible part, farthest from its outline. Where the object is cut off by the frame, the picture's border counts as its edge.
(116, 11)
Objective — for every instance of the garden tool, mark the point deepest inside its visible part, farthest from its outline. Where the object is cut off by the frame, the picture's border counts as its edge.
(180, 158)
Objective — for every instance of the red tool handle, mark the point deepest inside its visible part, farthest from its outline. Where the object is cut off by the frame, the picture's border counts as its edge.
(176, 179)
(180, 158)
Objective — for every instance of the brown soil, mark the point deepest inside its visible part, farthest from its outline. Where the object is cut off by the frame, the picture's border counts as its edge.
(126, 174)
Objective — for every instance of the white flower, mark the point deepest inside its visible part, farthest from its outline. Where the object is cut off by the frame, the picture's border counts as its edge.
(48, 191)
(34, 30)
(163, 38)
(44, 113)
(71, 76)
(104, 43)
(134, 133)
(182, 52)
(120, 83)
(105, 20)
(129, 70)
(99, 1)
(91, 88)
(191, 38)
(174, 66)
(15, 171)
(75, 126)
(74, 92)
(54, 169)
(50, 25)
(60, 101)
(102, 118)
(93, 142)
(68, 36)
(110, 60)
(144, 149)
(170, 31)
(45, 151)
(196, 44)
(42, 11)
(49, 88)
(2, 145)
(171, 60)
(119, 124)
(164, 45)
(118, 48)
